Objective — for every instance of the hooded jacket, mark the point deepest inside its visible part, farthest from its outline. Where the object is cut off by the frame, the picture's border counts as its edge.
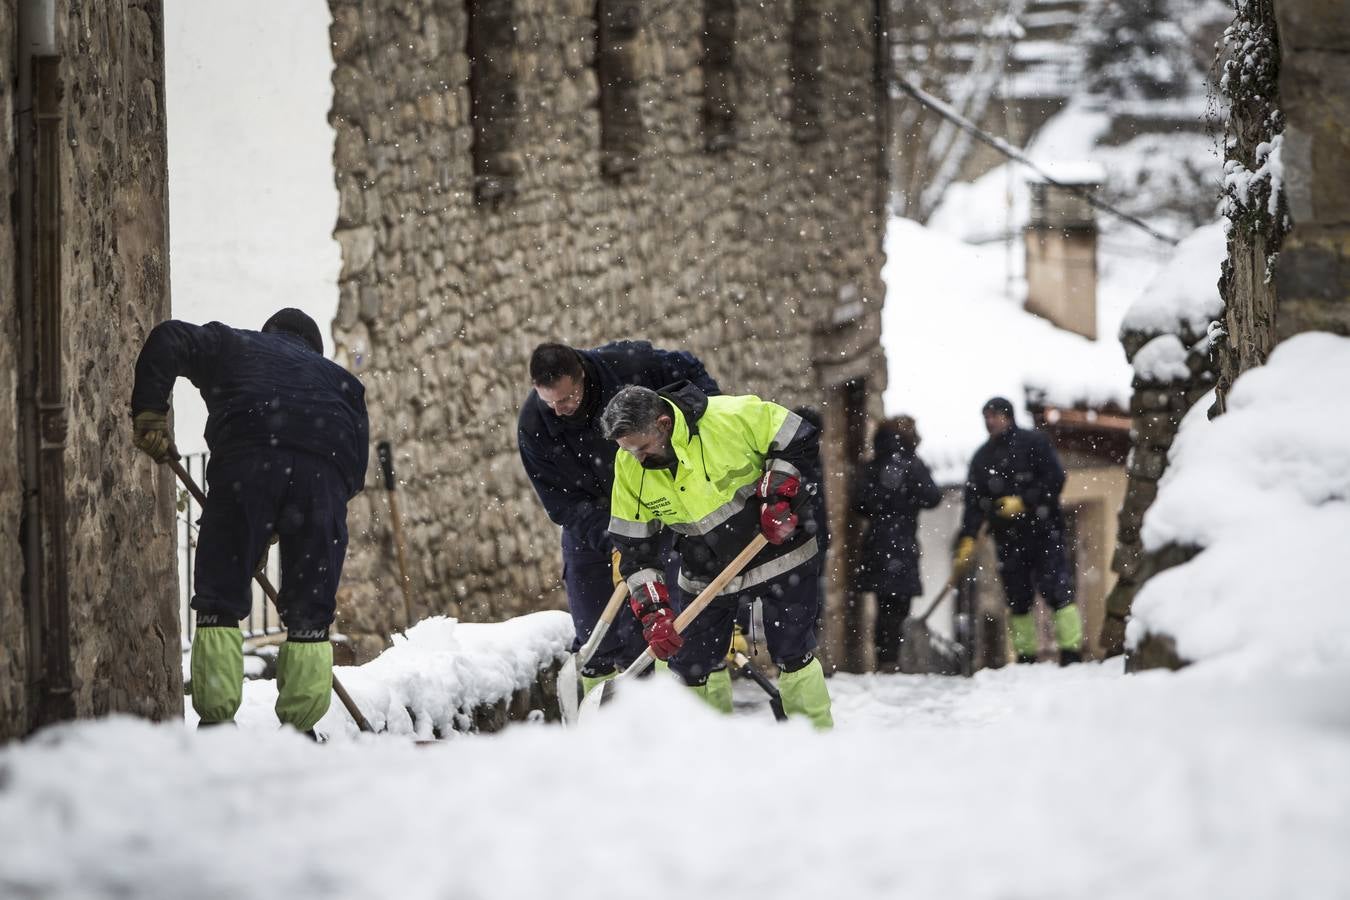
(889, 492)
(722, 446)
(262, 391)
(569, 463)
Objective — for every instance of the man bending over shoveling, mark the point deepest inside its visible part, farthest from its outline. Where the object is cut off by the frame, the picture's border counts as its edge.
(718, 471)
(288, 436)
(571, 466)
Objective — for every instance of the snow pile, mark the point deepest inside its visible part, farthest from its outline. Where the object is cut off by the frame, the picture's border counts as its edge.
(954, 337)
(432, 678)
(1184, 296)
(1115, 788)
(1265, 491)
(1161, 360)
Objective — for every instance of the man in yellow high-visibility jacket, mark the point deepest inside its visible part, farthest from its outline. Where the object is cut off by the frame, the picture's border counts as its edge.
(718, 471)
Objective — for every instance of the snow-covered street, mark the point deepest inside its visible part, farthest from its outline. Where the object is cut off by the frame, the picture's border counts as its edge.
(1026, 782)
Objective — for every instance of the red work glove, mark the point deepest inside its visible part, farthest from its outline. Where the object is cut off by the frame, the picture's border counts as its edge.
(777, 485)
(777, 521)
(651, 604)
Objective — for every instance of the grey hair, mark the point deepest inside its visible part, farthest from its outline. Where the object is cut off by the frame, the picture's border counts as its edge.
(634, 410)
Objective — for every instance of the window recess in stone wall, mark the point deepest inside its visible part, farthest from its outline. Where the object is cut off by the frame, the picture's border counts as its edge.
(719, 75)
(617, 66)
(807, 61)
(494, 100)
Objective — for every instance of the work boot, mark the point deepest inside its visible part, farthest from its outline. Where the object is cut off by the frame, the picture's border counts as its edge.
(1069, 657)
(304, 682)
(217, 671)
(1024, 639)
(1069, 632)
(805, 694)
(1027, 658)
(716, 691)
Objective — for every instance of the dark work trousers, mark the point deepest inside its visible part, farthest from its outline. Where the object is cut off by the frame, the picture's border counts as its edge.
(251, 497)
(790, 602)
(589, 582)
(892, 610)
(1032, 561)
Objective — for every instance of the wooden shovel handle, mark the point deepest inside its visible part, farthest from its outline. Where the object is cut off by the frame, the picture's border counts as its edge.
(700, 603)
(709, 593)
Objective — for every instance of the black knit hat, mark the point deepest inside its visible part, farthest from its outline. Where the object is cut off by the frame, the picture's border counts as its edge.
(294, 321)
(999, 405)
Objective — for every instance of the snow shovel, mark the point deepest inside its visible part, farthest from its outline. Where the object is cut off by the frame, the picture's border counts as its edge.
(386, 455)
(271, 592)
(917, 641)
(569, 676)
(599, 694)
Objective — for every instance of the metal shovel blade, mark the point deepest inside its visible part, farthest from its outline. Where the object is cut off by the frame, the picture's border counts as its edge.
(591, 702)
(603, 692)
(569, 690)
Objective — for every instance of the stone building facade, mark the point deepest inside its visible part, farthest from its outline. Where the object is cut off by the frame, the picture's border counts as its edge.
(91, 202)
(527, 170)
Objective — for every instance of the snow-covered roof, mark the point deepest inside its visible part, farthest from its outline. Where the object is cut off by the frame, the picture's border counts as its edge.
(1265, 490)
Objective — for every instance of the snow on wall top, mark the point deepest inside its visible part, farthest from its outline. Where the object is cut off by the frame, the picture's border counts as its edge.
(1265, 490)
(440, 669)
(1184, 295)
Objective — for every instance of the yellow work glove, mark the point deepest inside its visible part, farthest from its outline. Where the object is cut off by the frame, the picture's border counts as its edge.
(961, 559)
(738, 645)
(151, 435)
(1009, 507)
(614, 568)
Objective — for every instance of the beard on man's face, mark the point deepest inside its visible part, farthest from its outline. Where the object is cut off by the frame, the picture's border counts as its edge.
(663, 460)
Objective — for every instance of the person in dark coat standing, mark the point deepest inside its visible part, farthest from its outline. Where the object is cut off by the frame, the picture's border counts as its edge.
(571, 466)
(888, 493)
(289, 442)
(1014, 484)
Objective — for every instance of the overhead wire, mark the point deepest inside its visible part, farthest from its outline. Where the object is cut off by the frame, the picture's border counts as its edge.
(1008, 150)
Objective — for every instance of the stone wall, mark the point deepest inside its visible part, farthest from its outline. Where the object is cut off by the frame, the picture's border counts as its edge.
(119, 561)
(1313, 275)
(1157, 407)
(742, 255)
(13, 630)
(115, 278)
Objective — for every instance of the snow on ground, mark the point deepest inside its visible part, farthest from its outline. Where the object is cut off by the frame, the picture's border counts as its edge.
(433, 675)
(1031, 782)
(1265, 490)
(252, 201)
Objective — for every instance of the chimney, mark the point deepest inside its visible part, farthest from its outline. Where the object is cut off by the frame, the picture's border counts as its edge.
(1061, 247)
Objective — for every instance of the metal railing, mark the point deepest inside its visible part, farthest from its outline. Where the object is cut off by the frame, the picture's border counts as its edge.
(262, 617)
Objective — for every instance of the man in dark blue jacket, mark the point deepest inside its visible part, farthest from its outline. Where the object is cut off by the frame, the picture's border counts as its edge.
(889, 492)
(571, 466)
(289, 443)
(1014, 483)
